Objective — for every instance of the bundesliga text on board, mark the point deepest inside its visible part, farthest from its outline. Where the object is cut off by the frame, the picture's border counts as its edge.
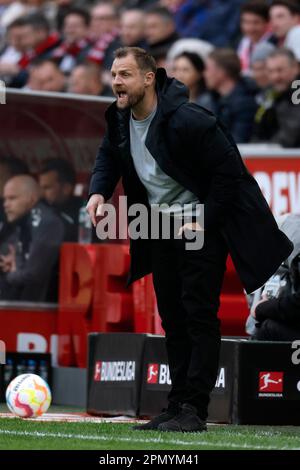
(114, 371)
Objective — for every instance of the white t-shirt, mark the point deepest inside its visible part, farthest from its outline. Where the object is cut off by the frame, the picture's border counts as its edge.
(161, 188)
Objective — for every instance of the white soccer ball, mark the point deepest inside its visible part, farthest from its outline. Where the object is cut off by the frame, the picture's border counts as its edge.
(28, 396)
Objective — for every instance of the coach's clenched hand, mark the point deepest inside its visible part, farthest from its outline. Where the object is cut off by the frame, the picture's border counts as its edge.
(95, 207)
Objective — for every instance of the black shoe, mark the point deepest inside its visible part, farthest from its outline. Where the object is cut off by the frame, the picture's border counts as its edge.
(167, 414)
(186, 421)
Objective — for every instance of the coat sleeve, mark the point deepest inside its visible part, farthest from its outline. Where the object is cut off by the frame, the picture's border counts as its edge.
(224, 166)
(285, 309)
(106, 172)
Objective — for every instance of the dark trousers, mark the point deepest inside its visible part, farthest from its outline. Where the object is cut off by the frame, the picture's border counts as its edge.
(273, 330)
(187, 284)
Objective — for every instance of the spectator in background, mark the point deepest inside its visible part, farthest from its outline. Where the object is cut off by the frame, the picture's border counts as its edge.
(46, 76)
(258, 64)
(104, 20)
(57, 180)
(132, 33)
(9, 167)
(30, 249)
(20, 8)
(188, 68)
(160, 32)
(232, 97)
(255, 29)
(12, 11)
(86, 79)
(143, 4)
(215, 21)
(285, 19)
(37, 42)
(278, 119)
(76, 43)
(11, 53)
(259, 71)
(197, 46)
(132, 28)
(188, 15)
(62, 8)
(37, 38)
(104, 29)
(278, 315)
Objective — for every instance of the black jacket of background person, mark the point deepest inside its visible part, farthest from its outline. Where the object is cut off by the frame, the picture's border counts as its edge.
(237, 109)
(37, 237)
(69, 212)
(285, 306)
(285, 309)
(195, 149)
(280, 122)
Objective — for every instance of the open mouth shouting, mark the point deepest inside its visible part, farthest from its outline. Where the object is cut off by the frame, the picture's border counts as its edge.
(121, 96)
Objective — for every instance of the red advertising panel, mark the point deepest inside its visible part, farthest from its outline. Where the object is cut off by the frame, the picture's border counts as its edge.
(279, 180)
(29, 327)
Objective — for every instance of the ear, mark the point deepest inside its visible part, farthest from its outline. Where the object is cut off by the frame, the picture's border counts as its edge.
(149, 78)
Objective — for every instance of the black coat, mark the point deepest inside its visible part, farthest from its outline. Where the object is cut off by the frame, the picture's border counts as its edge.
(192, 147)
(279, 123)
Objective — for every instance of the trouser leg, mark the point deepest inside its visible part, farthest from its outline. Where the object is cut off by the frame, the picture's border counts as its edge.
(202, 273)
(167, 285)
(187, 285)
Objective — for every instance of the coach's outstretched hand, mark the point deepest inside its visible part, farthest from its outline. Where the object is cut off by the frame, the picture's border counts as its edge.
(94, 207)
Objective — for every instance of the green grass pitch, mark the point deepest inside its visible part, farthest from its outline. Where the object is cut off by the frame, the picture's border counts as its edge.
(22, 434)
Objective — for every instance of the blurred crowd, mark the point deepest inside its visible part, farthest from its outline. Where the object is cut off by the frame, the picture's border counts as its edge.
(239, 58)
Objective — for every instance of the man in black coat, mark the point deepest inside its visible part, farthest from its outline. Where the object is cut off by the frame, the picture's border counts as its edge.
(29, 244)
(168, 150)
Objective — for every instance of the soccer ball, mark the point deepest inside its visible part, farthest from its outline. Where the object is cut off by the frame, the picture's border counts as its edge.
(28, 396)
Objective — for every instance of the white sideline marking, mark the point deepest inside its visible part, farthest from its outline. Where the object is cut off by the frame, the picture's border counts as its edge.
(76, 418)
(158, 440)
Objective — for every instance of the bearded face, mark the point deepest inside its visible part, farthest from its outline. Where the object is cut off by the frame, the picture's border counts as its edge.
(128, 82)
